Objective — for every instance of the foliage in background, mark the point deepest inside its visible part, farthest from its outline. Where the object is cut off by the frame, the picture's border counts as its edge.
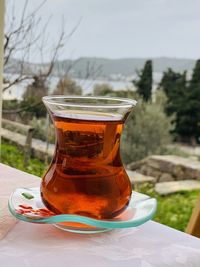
(102, 89)
(173, 210)
(13, 156)
(183, 102)
(174, 86)
(191, 114)
(43, 129)
(36, 90)
(10, 104)
(32, 98)
(67, 86)
(147, 131)
(145, 81)
(109, 91)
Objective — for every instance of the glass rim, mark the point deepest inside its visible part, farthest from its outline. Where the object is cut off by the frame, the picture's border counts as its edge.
(122, 102)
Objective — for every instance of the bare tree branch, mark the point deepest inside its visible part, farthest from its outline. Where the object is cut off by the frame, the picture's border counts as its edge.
(17, 34)
(23, 37)
(17, 80)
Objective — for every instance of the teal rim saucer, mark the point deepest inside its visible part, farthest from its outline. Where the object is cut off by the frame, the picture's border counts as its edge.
(25, 204)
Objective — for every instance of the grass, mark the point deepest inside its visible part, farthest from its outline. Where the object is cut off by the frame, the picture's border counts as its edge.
(173, 210)
(13, 156)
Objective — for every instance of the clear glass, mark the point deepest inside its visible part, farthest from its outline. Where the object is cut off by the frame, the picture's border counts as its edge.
(86, 176)
(140, 210)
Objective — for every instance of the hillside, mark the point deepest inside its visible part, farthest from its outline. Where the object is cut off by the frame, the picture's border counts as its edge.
(85, 67)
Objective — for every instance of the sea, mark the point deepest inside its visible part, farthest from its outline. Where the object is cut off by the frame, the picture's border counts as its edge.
(87, 85)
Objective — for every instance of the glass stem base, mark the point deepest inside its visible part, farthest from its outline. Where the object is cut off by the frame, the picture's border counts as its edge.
(81, 230)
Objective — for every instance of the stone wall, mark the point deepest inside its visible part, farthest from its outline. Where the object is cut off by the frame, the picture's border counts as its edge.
(167, 168)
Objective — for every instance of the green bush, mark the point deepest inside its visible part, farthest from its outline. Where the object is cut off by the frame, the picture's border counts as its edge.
(173, 210)
(102, 89)
(13, 156)
(147, 131)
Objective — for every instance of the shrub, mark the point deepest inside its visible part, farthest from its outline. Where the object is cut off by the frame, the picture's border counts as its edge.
(102, 89)
(147, 131)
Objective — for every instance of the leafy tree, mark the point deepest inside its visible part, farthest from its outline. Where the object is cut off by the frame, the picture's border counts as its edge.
(144, 84)
(174, 86)
(67, 86)
(173, 83)
(191, 114)
(184, 102)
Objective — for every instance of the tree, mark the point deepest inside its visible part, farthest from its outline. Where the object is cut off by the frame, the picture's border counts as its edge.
(174, 86)
(144, 84)
(67, 86)
(102, 89)
(183, 102)
(36, 90)
(25, 37)
(191, 115)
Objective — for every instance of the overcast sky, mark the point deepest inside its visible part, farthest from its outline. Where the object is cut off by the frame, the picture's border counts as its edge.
(126, 28)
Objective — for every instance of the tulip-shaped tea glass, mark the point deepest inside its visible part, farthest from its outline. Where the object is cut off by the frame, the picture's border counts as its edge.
(86, 176)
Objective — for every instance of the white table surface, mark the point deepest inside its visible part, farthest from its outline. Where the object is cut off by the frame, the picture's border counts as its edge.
(150, 245)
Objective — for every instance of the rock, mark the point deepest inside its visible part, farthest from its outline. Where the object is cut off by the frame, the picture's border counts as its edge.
(144, 169)
(166, 188)
(160, 163)
(165, 177)
(168, 168)
(192, 173)
(154, 173)
(135, 165)
(149, 171)
(138, 178)
(179, 173)
(179, 167)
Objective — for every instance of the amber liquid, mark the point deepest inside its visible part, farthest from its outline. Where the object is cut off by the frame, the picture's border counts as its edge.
(86, 176)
